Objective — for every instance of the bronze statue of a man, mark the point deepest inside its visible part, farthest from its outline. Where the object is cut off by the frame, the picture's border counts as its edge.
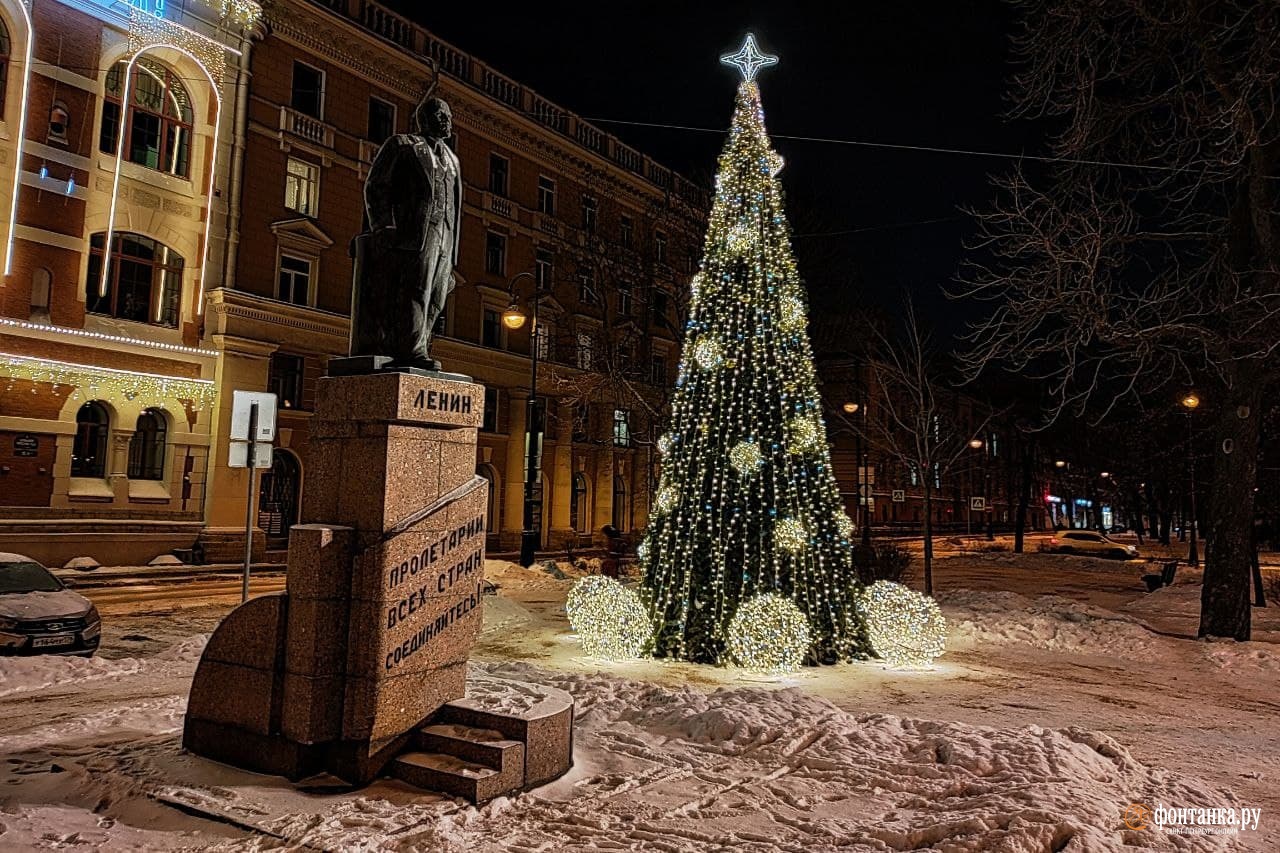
(405, 261)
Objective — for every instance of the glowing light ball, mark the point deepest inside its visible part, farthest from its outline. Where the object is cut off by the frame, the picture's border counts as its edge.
(844, 524)
(708, 353)
(609, 618)
(792, 316)
(904, 627)
(803, 435)
(745, 457)
(769, 634)
(790, 535)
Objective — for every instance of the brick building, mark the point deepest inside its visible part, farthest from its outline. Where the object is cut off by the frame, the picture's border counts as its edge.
(116, 134)
(554, 210)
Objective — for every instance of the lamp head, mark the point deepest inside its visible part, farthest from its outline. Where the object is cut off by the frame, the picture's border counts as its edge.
(514, 317)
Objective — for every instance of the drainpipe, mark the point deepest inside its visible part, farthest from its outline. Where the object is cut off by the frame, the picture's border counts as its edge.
(239, 131)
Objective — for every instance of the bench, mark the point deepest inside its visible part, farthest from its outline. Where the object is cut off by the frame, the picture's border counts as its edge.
(1163, 579)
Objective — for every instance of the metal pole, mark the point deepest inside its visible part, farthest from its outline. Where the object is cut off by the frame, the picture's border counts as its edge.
(529, 537)
(1193, 556)
(248, 504)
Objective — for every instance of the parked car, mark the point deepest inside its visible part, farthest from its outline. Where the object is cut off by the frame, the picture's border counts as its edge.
(39, 615)
(1091, 542)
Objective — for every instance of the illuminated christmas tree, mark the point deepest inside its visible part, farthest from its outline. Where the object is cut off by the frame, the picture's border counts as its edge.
(748, 503)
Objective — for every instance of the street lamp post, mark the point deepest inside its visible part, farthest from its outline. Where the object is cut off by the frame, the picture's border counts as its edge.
(1191, 402)
(514, 318)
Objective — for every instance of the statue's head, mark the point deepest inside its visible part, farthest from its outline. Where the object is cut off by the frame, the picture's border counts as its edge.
(434, 118)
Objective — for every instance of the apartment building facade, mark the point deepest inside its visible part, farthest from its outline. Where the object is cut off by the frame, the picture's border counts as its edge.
(555, 210)
(116, 136)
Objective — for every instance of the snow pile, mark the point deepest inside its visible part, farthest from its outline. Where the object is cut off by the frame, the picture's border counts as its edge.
(780, 770)
(25, 674)
(1046, 622)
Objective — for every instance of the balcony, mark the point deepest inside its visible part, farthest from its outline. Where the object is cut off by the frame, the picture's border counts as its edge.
(305, 127)
(500, 205)
(368, 150)
(547, 224)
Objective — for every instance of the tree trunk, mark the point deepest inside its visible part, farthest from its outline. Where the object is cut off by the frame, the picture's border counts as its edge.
(1224, 601)
(1024, 497)
(928, 534)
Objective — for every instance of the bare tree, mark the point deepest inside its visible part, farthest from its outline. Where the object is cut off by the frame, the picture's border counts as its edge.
(1120, 281)
(919, 423)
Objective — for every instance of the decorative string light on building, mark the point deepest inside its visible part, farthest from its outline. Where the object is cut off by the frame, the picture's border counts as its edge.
(609, 618)
(769, 635)
(755, 519)
(100, 336)
(905, 627)
(108, 383)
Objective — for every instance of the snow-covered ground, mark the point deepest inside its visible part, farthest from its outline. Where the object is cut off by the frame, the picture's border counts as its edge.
(1064, 698)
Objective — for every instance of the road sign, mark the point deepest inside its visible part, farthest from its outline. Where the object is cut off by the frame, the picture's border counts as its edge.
(899, 496)
(239, 455)
(865, 490)
(266, 426)
(978, 504)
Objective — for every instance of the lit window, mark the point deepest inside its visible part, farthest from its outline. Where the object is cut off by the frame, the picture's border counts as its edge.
(302, 187)
(144, 282)
(157, 130)
(586, 351)
(295, 280)
(146, 446)
(621, 428)
(546, 195)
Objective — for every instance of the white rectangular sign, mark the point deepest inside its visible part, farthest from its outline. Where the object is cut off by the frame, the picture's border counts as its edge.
(242, 401)
(978, 504)
(899, 496)
(239, 457)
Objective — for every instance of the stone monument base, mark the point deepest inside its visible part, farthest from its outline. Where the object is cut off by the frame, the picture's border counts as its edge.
(364, 657)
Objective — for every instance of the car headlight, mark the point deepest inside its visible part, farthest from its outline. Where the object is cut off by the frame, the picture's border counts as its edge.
(93, 617)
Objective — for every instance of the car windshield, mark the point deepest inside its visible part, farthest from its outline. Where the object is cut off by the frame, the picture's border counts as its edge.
(26, 577)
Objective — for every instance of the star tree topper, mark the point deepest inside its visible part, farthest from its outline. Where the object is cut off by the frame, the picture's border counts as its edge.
(749, 59)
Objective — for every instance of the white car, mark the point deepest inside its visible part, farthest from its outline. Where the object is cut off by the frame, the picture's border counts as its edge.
(1091, 542)
(39, 615)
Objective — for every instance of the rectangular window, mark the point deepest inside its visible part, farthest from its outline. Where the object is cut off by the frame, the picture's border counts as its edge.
(658, 306)
(495, 254)
(302, 187)
(546, 195)
(491, 330)
(626, 232)
(382, 120)
(308, 90)
(284, 379)
(586, 351)
(544, 269)
(621, 428)
(295, 280)
(589, 214)
(658, 370)
(542, 337)
(499, 174)
(660, 247)
(490, 422)
(587, 288)
(624, 299)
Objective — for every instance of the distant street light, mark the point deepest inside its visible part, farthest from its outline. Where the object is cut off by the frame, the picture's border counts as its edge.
(975, 443)
(1061, 463)
(1105, 475)
(1191, 402)
(850, 408)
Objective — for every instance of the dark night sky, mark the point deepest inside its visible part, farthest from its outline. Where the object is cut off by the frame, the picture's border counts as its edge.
(918, 73)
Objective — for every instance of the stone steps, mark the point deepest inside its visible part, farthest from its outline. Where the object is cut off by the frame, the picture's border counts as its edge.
(476, 764)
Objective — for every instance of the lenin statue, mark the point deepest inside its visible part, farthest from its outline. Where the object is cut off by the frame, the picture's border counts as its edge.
(404, 263)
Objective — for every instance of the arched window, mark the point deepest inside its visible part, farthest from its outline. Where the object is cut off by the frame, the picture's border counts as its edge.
(146, 448)
(157, 131)
(89, 450)
(578, 503)
(620, 514)
(5, 45)
(145, 283)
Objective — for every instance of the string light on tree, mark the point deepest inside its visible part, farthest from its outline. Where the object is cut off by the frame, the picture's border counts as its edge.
(748, 502)
(769, 634)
